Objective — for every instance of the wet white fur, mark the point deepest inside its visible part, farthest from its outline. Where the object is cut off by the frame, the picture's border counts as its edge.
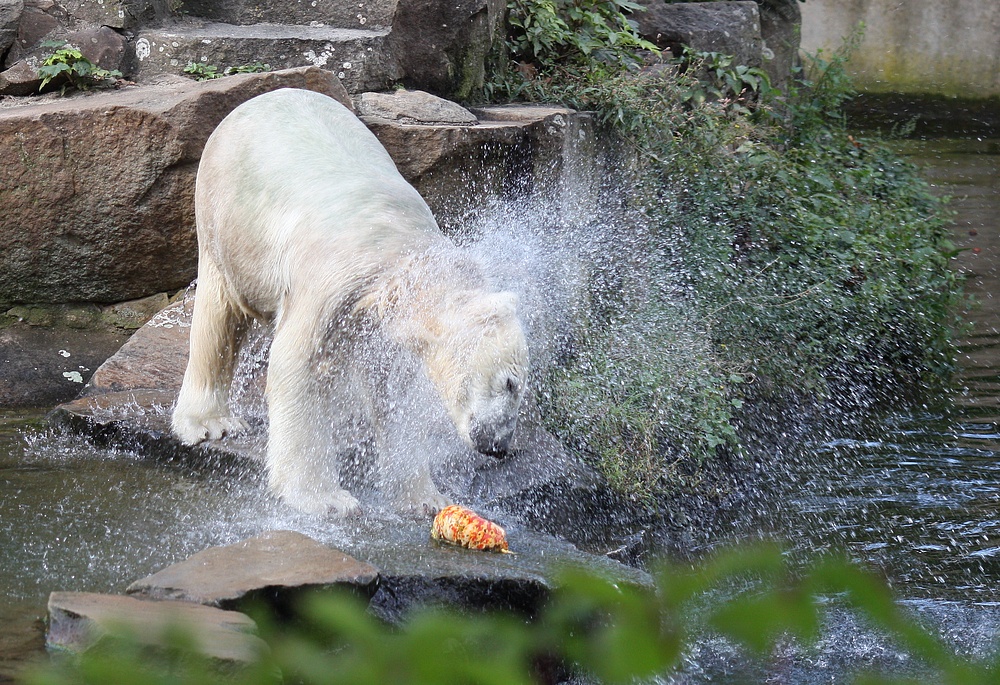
(304, 220)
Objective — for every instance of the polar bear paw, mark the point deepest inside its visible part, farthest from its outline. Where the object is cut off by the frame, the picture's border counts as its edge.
(335, 503)
(425, 503)
(191, 429)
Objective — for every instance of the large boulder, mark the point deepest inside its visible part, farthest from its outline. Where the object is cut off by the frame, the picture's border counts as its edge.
(10, 17)
(97, 189)
(36, 21)
(443, 46)
(100, 45)
(732, 28)
(106, 180)
(781, 29)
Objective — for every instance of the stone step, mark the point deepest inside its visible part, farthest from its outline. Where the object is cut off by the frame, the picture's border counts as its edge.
(362, 59)
(357, 14)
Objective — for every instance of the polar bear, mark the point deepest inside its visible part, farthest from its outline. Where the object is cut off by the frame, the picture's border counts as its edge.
(304, 222)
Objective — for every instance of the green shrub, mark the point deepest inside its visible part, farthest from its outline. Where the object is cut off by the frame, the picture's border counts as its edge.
(782, 256)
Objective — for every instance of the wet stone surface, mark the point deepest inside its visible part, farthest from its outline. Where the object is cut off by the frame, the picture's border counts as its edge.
(272, 563)
(78, 619)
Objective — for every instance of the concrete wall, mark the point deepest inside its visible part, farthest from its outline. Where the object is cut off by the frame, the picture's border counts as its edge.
(942, 47)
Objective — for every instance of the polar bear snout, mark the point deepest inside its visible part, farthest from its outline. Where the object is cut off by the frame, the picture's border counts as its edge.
(492, 439)
(493, 419)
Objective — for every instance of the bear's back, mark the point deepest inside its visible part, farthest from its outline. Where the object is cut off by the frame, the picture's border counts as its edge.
(293, 178)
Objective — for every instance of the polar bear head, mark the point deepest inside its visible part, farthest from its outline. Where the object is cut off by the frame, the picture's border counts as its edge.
(476, 355)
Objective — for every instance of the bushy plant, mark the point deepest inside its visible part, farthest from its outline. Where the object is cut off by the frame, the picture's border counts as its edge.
(786, 252)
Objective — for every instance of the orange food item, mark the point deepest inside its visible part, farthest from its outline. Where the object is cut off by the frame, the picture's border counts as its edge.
(460, 526)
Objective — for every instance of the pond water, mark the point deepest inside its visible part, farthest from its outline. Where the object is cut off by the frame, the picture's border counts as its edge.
(917, 494)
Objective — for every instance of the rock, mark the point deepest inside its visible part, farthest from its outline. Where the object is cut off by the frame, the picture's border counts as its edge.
(364, 14)
(119, 14)
(361, 59)
(20, 79)
(514, 150)
(402, 568)
(732, 28)
(10, 17)
(40, 19)
(44, 365)
(271, 565)
(443, 46)
(105, 180)
(151, 360)
(781, 29)
(413, 107)
(77, 620)
(127, 230)
(135, 313)
(416, 571)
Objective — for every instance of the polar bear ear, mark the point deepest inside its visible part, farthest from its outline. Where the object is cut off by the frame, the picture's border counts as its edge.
(497, 306)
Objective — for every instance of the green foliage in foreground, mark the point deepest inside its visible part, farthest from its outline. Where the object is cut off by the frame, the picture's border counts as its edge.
(782, 255)
(614, 632)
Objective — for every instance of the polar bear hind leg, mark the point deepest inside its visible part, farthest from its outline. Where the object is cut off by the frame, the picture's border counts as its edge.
(217, 331)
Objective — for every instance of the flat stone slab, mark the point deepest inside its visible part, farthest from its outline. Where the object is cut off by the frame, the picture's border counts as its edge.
(392, 562)
(413, 107)
(77, 620)
(361, 14)
(361, 58)
(418, 571)
(275, 561)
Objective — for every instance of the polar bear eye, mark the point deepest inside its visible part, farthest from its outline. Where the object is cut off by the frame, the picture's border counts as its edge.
(512, 385)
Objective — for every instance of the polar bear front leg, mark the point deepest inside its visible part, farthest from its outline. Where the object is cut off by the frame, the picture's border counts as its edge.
(299, 468)
(217, 331)
(404, 474)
